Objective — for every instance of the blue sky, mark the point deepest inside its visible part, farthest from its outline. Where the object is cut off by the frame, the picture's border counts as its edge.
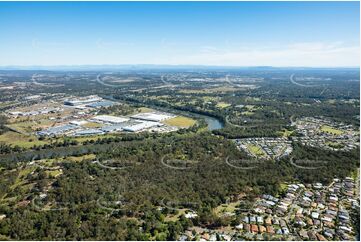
(205, 33)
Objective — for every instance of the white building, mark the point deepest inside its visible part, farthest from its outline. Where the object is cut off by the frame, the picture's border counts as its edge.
(78, 122)
(156, 117)
(109, 119)
(141, 126)
(86, 132)
(83, 100)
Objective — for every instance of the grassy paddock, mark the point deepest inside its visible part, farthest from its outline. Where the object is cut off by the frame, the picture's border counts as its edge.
(92, 125)
(256, 150)
(223, 105)
(13, 138)
(331, 130)
(285, 133)
(226, 208)
(180, 121)
(54, 173)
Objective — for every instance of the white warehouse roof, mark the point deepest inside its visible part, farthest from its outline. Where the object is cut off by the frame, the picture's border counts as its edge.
(153, 116)
(88, 132)
(110, 119)
(78, 122)
(141, 126)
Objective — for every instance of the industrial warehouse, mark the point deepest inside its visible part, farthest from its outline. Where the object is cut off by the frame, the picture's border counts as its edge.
(150, 121)
(65, 115)
(83, 100)
(156, 116)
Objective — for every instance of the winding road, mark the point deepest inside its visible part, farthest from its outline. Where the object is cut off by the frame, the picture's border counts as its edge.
(299, 84)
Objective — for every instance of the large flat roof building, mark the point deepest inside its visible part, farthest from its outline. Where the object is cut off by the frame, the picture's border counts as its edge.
(153, 116)
(83, 100)
(57, 130)
(110, 119)
(141, 126)
(119, 127)
(100, 104)
(86, 132)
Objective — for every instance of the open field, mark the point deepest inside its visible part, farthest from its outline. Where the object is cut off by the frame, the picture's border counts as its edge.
(283, 187)
(24, 141)
(247, 113)
(334, 145)
(92, 125)
(223, 105)
(226, 208)
(331, 130)
(81, 158)
(21, 140)
(252, 107)
(210, 98)
(31, 126)
(175, 217)
(253, 99)
(145, 110)
(285, 133)
(21, 176)
(180, 121)
(256, 150)
(54, 173)
(26, 126)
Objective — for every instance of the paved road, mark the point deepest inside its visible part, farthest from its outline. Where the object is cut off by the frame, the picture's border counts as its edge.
(33, 79)
(167, 85)
(299, 84)
(292, 207)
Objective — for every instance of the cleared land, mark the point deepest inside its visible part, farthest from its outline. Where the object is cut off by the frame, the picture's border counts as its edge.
(226, 208)
(334, 145)
(175, 217)
(210, 98)
(247, 113)
(54, 173)
(331, 130)
(21, 140)
(21, 178)
(286, 133)
(180, 121)
(252, 107)
(256, 150)
(27, 125)
(92, 125)
(223, 105)
(145, 110)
